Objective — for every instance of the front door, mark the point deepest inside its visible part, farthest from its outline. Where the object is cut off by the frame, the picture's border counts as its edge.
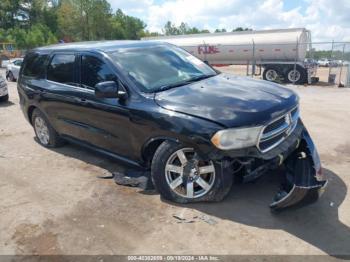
(106, 119)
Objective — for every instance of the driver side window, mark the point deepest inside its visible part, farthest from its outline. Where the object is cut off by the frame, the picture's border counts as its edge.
(94, 71)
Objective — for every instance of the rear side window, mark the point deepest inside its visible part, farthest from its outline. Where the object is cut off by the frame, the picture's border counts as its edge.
(61, 69)
(35, 65)
(94, 71)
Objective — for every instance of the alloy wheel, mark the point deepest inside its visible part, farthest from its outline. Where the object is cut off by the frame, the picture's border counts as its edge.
(41, 130)
(188, 176)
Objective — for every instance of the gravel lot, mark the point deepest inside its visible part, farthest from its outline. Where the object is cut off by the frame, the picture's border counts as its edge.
(53, 203)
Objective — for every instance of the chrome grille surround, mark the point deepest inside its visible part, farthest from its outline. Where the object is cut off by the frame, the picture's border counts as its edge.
(278, 130)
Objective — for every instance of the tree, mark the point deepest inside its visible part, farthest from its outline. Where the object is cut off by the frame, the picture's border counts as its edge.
(31, 23)
(238, 29)
(12, 13)
(147, 33)
(183, 29)
(126, 27)
(67, 17)
(223, 30)
(84, 19)
(170, 29)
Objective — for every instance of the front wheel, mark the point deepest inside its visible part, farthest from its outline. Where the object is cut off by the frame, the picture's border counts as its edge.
(181, 176)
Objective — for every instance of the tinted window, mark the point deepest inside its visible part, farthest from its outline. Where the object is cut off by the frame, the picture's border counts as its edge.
(61, 69)
(35, 65)
(94, 71)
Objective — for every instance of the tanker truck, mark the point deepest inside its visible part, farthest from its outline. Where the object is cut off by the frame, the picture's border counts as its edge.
(279, 54)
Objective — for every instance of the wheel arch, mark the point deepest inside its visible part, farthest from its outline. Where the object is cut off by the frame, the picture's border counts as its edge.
(30, 113)
(150, 147)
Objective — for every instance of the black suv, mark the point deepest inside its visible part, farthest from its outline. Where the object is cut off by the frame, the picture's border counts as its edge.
(154, 105)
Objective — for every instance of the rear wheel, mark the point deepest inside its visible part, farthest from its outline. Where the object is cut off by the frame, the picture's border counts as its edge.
(181, 176)
(270, 74)
(44, 132)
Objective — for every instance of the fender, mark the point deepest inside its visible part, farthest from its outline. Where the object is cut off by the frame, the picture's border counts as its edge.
(147, 146)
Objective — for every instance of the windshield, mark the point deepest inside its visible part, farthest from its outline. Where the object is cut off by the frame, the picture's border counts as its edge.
(161, 67)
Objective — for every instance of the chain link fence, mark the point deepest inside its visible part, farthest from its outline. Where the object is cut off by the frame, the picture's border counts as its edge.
(325, 63)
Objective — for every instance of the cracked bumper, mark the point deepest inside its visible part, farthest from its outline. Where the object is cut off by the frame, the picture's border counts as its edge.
(305, 181)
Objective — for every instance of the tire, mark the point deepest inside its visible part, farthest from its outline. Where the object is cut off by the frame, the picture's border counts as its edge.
(217, 181)
(267, 74)
(300, 72)
(4, 98)
(11, 77)
(45, 134)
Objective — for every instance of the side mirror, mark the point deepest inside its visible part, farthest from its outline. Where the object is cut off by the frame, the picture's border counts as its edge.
(110, 89)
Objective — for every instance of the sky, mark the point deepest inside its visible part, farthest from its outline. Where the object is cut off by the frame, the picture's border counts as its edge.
(327, 19)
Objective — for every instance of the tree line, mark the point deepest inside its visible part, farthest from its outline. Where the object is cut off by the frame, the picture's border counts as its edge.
(184, 29)
(321, 54)
(32, 23)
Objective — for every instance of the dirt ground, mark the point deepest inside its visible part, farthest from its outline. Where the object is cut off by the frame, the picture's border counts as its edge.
(51, 201)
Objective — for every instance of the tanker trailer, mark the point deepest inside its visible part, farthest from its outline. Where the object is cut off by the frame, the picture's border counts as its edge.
(280, 53)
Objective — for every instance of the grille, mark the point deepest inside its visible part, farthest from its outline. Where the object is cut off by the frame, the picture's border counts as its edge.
(264, 145)
(275, 125)
(275, 132)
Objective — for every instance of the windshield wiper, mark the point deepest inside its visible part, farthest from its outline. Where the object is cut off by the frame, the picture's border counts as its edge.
(182, 83)
(198, 78)
(169, 86)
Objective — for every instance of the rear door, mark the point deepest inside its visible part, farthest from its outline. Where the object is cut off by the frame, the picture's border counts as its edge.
(60, 98)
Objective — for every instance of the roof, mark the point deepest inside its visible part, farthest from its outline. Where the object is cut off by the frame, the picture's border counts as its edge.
(104, 46)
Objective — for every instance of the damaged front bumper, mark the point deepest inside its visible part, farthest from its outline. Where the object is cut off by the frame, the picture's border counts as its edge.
(305, 181)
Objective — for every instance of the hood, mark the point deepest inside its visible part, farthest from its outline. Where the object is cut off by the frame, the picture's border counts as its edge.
(230, 101)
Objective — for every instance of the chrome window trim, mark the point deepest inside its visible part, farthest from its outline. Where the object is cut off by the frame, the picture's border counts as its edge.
(72, 86)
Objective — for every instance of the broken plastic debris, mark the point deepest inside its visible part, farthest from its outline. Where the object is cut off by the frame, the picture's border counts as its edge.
(208, 219)
(182, 218)
(131, 178)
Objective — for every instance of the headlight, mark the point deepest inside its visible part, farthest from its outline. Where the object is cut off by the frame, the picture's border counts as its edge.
(236, 138)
